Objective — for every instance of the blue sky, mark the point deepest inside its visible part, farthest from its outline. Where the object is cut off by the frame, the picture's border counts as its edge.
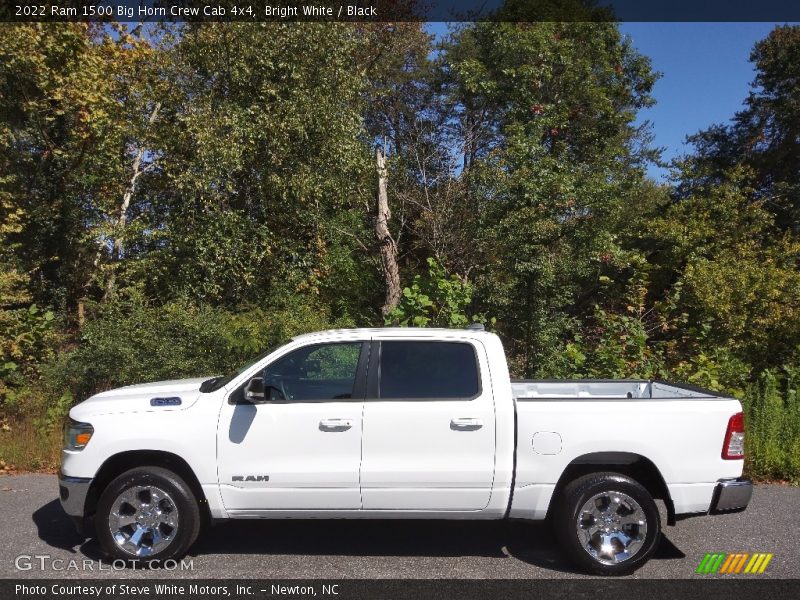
(705, 78)
(705, 75)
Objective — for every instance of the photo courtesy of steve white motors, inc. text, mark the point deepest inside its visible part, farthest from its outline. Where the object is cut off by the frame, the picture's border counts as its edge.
(195, 590)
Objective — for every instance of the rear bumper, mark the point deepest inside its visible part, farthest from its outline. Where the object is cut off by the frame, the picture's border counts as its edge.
(731, 495)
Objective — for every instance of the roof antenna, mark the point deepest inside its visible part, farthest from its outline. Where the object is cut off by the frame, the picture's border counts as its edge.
(476, 327)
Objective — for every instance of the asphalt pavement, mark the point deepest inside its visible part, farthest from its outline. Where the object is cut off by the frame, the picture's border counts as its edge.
(34, 526)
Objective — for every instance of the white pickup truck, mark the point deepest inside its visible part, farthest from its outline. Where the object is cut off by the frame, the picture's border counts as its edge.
(401, 424)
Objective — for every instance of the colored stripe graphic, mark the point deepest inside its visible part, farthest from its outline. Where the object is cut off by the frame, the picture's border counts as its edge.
(723, 563)
(718, 563)
(754, 563)
(727, 564)
(765, 563)
(740, 564)
(758, 563)
(703, 563)
(711, 563)
(734, 563)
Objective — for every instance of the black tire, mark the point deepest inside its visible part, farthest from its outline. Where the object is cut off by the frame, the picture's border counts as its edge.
(567, 511)
(179, 497)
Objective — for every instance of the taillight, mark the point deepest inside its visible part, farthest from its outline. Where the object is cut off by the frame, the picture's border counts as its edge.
(733, 447)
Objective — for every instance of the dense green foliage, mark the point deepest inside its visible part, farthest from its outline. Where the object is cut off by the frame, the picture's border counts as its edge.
(554, 174)
(435, 300)
(772, 410)
(133, 340)
(176, 200)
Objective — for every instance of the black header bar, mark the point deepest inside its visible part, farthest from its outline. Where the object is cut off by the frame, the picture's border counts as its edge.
(398, 10)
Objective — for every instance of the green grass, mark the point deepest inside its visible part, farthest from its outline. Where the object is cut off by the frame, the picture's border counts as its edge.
(24, 448)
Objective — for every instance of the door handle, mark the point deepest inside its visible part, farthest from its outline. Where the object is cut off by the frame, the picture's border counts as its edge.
(335, 424)
(464, 424)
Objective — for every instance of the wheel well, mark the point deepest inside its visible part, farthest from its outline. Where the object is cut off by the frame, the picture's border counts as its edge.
(124, 461)
(635, 466)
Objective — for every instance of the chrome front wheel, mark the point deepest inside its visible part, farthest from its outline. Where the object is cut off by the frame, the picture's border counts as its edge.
(612, 527)
(143, 520)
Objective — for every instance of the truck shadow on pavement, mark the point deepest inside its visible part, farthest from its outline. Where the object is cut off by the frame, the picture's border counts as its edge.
(533, 543)
(55, 529)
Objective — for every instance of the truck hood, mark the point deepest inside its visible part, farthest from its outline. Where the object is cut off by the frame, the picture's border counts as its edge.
(136, 398)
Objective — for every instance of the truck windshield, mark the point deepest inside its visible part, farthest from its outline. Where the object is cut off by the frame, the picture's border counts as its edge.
(215, 383)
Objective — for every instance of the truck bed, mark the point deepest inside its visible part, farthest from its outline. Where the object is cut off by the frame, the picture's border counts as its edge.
(604, 389)
(680, 429)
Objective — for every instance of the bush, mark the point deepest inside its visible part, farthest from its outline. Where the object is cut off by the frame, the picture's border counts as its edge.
(435, 300)
(772, 418)
(615, 346)
(133, 341)
(28, 337)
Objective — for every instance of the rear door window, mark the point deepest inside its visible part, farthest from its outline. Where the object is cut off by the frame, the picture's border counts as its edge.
(428, 371)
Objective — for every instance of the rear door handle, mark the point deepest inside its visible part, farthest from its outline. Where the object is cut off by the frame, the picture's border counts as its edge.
(335, 424)
(464, 424)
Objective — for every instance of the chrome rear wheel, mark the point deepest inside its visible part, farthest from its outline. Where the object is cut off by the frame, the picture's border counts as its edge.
(612, 527)
(607, 523)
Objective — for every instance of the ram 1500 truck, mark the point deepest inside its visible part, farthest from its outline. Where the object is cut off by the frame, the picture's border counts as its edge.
(400, 423)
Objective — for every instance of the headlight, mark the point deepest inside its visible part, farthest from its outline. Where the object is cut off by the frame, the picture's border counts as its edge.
(76, 434)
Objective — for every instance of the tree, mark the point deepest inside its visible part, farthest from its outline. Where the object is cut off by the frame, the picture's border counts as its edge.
(765, 136)
(726, 248)
(264, 167)
(401, 121)
(554, 171)
(71, 116)
(386, 243)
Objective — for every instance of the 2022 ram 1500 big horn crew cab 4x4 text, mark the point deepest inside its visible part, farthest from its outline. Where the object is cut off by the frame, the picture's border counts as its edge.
(406, 424)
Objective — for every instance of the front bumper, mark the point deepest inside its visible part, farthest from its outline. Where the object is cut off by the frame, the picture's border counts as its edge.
(731, 495)
(73, 492)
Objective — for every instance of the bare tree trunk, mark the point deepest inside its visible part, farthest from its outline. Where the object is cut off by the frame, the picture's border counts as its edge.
(122, 219)
(386, 243)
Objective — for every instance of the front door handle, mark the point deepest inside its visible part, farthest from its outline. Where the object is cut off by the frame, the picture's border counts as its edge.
(335, 424)
(464, 424)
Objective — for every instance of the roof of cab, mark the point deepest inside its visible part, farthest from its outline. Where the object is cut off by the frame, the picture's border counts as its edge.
(394, 332)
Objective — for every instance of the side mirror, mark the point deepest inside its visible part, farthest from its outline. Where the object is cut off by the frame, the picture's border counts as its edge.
(254, 392)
